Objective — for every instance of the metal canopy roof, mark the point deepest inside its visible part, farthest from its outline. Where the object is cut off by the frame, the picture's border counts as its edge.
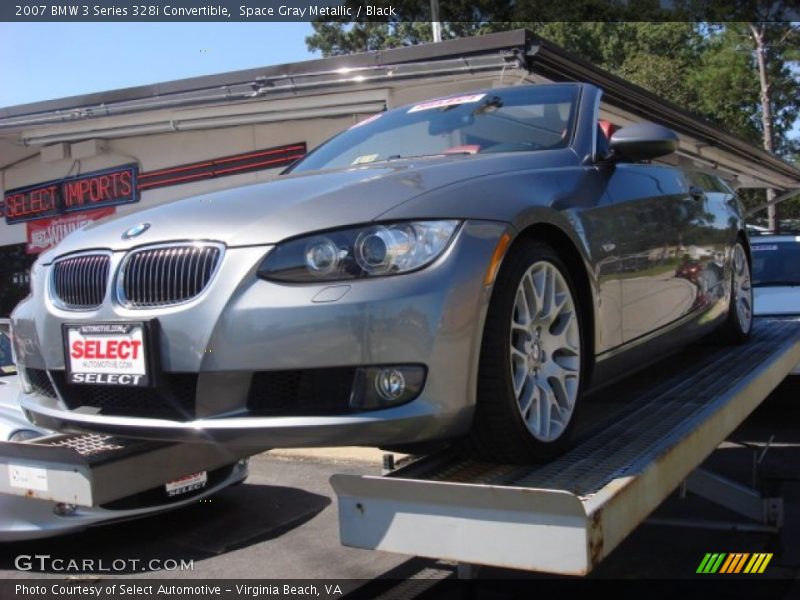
(512, 40)
(529, 52)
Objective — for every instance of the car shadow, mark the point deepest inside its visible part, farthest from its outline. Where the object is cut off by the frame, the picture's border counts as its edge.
(236, 517)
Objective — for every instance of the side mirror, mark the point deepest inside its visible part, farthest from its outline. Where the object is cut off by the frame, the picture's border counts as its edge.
(643, 141)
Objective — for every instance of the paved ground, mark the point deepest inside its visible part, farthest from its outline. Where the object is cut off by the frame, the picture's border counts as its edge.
(282, 522)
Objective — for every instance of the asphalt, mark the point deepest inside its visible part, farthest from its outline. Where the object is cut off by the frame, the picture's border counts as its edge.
(282, 522)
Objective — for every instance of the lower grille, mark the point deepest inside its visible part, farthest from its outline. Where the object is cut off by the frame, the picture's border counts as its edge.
(40, 382)
(311, 392)
(173, 399)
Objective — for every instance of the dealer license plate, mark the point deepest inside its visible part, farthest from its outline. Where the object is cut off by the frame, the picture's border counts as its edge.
(187, 483)
(107, 354)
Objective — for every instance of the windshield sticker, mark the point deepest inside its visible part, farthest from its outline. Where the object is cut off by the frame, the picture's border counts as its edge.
(366, 158)
(367, 120)
(762, 247)
(466, 149)
(445, 102)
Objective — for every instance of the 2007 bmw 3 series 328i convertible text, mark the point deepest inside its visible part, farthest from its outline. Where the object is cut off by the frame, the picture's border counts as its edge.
(466, 267)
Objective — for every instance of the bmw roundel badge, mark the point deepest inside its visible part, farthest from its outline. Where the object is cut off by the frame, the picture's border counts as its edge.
(135, 231)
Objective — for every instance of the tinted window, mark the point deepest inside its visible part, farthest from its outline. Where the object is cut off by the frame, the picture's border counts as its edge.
(527, 118)
(775, 263)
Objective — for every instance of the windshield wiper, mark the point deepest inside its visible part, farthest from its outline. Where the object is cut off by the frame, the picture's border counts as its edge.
(401, 157)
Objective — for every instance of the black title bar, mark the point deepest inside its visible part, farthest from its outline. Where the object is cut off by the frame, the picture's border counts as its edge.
(479, 11)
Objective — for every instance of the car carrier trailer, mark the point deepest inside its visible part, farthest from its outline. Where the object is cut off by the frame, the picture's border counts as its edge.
(567, 515)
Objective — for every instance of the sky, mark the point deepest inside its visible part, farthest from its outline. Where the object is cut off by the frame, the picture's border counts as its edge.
(43, 61)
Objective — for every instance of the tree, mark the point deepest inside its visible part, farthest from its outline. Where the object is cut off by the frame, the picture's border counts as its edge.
(769, 43)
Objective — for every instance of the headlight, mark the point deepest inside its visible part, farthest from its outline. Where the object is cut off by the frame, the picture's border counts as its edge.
(369, 251)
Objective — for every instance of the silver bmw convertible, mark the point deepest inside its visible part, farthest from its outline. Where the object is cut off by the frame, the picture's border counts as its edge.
(466, 267)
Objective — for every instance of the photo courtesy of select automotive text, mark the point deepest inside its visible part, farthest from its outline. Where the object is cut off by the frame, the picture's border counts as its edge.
(399, 299)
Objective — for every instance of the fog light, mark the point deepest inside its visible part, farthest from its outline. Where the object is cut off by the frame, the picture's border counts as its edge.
(63, 509)
(390, 384)
(386, 386)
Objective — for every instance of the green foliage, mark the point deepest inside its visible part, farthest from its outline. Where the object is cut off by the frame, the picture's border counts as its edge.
(728, 90)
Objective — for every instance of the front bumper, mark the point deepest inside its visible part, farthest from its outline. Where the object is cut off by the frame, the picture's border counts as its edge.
(244, 325)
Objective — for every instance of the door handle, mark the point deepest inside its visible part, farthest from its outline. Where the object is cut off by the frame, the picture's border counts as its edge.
(697, 193)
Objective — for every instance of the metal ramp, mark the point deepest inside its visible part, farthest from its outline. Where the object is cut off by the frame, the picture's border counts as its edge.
(93, 470)
(565, 516)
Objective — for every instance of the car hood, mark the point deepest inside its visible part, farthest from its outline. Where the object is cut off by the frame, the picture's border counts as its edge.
(268, 212)
(776, 300)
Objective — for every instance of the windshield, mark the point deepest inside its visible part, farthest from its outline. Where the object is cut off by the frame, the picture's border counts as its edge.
(776, 263)
(519, 119)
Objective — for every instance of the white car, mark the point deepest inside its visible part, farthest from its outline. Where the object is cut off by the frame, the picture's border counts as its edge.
(776, 276)
(26, 518)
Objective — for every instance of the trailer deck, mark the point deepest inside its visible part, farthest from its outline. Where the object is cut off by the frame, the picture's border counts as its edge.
(646, 437)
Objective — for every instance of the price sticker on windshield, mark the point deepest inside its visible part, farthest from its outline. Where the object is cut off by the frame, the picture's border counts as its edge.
(445, 102)
(366, 158)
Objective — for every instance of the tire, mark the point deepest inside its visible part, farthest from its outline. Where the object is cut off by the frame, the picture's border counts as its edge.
(531, 361)
(739, 323)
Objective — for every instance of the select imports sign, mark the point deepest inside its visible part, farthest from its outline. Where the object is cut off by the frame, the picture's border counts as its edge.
(89, 191)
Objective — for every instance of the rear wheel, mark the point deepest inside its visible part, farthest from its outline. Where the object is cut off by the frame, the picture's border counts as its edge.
(529, 376)
(736, 328)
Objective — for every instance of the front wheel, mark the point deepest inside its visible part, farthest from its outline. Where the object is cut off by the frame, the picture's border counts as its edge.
(529, 377)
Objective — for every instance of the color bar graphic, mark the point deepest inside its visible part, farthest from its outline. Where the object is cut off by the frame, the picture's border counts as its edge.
(734, 563)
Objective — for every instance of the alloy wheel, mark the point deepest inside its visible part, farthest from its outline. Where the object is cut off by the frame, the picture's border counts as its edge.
(545, 351)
